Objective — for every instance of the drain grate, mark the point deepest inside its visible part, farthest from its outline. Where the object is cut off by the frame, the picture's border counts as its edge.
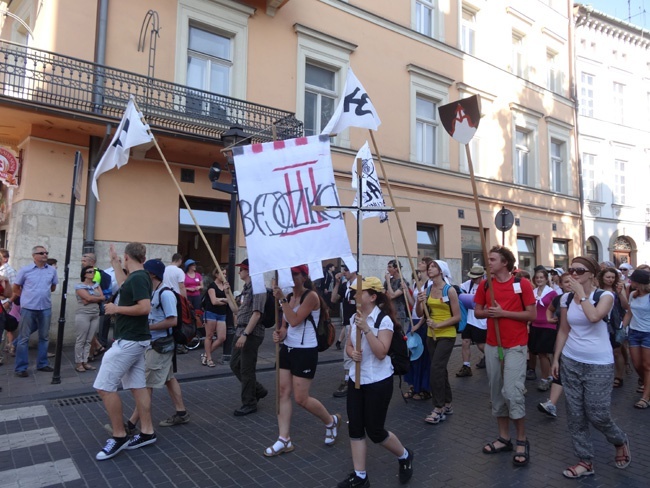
(80, 400)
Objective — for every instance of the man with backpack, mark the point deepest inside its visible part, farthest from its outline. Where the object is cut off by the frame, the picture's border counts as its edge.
(159, 367)
(513, 307)
(249, 335)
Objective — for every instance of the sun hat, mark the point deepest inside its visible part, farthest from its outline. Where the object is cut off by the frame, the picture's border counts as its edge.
(477, 271)
(626, 266)
(414, 343)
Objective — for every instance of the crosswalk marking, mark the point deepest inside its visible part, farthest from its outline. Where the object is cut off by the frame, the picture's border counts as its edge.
(29, 438)
(41, 475)
(37, 475)
(23, 413)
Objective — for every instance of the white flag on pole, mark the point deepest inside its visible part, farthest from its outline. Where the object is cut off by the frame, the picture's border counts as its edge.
(131, 132)
(371, 188)
(354, 109)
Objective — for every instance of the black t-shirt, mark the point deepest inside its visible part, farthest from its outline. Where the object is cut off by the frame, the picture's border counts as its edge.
(218, 309)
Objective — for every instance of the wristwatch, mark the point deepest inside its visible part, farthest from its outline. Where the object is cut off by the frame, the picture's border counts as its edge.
(283, 300)
(583, 299)
(245, 334)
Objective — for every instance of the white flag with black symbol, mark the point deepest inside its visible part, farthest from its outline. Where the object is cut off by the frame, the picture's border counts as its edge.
(354, 109)
(370, 187)
(131, 132)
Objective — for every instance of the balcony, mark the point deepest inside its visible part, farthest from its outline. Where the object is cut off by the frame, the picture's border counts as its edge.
(41, 79)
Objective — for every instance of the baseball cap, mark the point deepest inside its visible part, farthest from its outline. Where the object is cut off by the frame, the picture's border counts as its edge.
(302, 269)
(188, 263)
(372, 283)
(640, 276)
(243, 264)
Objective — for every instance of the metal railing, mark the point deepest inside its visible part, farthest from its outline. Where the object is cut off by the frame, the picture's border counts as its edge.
(46, 79)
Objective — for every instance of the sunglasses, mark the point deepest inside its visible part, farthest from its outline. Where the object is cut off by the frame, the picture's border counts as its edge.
(42, 253)
(90, 271)
(578, 271)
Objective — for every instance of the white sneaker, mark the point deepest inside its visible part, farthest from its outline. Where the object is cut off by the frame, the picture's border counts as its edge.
(548, 408)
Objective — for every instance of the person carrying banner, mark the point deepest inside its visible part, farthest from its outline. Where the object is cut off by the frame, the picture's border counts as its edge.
(249, 335)
(299, 358)
(444, 314)
(367, 406)
(514, 307)
(396, 290)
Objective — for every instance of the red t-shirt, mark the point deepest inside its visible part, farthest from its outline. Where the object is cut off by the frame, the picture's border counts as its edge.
(513, 332)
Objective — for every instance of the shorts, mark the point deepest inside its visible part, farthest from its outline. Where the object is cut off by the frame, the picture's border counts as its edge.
(638, 338)
(473, 333)
(158, 368)
(122, 363)
(300, 361)
(214, 316)
(541, 340)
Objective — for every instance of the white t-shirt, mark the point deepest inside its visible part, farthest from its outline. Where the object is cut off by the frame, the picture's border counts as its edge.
(640, 312)
(588, 342)
(372, 368)
(172, 277)
(295, 337)
(416, 292)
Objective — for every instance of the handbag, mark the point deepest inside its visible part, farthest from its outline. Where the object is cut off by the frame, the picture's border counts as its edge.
(8, 322)
(164, 345)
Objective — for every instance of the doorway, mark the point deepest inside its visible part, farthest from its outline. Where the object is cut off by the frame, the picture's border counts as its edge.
(212, 216)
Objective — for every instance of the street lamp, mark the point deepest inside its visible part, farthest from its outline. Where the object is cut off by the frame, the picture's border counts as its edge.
(235, 136)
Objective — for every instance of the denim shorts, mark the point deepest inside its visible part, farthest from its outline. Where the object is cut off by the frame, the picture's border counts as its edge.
(214, 316)
(638, 338)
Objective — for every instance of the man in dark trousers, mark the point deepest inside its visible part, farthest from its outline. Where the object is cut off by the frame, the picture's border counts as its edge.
(249, 335)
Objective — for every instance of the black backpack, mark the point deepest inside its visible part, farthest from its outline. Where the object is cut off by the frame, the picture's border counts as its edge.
(325, 331)
(268, 317)
(398, 350)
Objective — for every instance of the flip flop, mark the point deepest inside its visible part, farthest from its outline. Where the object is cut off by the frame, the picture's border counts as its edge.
(642, 404)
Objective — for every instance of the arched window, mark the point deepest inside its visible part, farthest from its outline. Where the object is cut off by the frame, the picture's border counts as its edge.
(592, 248)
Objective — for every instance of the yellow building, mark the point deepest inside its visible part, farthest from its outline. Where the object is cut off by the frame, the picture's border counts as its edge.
(198, 67)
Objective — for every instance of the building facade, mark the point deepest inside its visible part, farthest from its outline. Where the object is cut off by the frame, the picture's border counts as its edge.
(202, 66)
(613, 77)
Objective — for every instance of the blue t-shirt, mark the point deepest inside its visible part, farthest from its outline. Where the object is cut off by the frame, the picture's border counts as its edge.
(163, 306)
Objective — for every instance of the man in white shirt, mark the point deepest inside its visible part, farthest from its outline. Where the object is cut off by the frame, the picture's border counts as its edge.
(174, 277)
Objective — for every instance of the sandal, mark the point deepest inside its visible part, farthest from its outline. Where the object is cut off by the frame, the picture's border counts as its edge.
(639, 389)
(80, 369)
(210, 363)
(525, 454)
(623, 460)
(282, 447)
(642, 404)
(618, 382)
(100, 351)
(490, 448)
(408, 394)
(204, 360)
(448, 410)
(435, 418)
(423, 395)
(331, 433)
(576, 472)
(88, 367)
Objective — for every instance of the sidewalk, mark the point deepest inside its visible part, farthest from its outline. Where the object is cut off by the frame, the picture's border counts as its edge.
(38, 386)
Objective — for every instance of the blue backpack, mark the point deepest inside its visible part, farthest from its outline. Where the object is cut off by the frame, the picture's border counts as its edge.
(460, 326)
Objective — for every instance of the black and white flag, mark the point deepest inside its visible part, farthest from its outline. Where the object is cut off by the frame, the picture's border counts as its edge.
(371, 189)
(354, 109)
